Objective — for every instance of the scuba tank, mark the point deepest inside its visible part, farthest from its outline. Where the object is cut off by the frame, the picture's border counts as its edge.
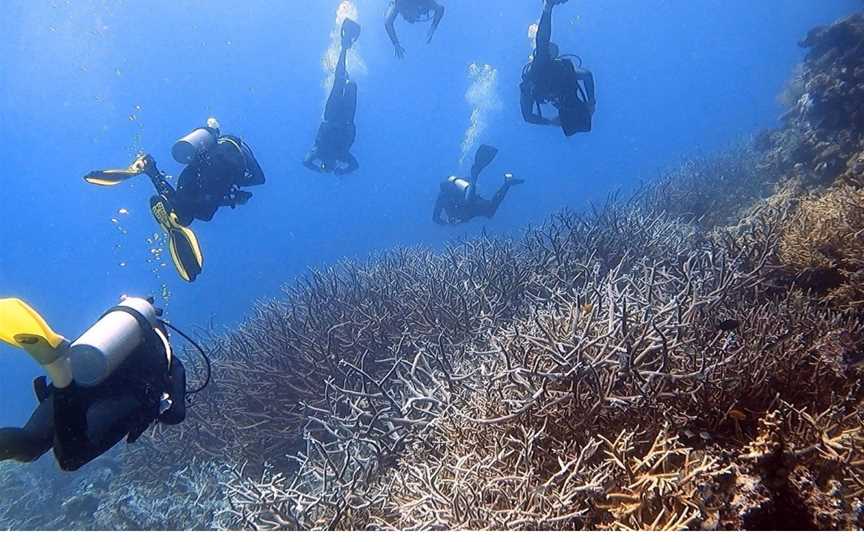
(96, 354)
(461, 188)
(107, 344)
(196, 142)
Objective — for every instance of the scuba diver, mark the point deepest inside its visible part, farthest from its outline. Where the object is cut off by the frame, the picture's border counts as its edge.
(217, 167)
(413, 11)
(337, 132)
(458, 197)
(113, 382)
(553, 79)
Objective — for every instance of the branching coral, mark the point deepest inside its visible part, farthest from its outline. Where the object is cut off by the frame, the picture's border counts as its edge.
(824, 243)
(629, 324)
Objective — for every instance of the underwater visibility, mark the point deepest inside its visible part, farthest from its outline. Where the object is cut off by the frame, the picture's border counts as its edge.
(258, 272)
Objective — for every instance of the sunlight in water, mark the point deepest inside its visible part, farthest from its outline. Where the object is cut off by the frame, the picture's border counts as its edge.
(482, 96)
(356, 64)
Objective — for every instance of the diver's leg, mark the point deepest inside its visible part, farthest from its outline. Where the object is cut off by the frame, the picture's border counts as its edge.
(491, 207)
(30, 442)
(332, 111)
(544, 32)
(160, 183)
(350, 101)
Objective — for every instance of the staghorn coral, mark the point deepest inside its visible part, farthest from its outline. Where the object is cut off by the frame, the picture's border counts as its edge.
(822, 244)
(713, 189)
(618, 336)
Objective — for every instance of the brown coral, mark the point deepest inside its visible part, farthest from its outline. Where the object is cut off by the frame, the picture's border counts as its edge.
(824, 243)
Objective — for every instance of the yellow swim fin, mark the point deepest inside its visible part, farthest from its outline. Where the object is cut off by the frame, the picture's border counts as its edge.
(111, 177)
(22, 327)
(182, 242)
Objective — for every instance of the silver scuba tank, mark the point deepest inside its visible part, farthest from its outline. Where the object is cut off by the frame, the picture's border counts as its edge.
(196, 142)
(107, 344)
(190, 146)
(462, 187)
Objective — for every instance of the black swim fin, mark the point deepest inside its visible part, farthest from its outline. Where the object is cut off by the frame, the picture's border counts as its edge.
(485, 155)
(182, 242)
(350, 32)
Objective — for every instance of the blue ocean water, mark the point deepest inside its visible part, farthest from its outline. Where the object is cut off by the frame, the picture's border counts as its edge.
(87, 84)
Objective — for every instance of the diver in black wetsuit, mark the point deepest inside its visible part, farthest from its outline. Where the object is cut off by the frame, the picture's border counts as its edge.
(412, 11)
(218, 167)
(81, 422)
(553, 79)
(337, 132)
(458, 197)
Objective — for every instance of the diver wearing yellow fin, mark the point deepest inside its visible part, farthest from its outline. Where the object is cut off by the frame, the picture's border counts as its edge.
(111, 383)
(217, 167)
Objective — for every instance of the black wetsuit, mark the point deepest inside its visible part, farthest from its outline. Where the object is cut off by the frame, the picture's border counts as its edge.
(460, 207)
(412, 11)
(337, 132)
(213, 180)
(556, 81)
(81, 423)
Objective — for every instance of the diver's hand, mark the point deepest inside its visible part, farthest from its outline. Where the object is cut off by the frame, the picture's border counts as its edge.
(400, 51)
(430, 35)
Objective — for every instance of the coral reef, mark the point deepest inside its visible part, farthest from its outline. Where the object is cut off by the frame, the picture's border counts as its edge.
(818, 157)
(821, 140)
(104, 496)
(667, 362)
(646, 376)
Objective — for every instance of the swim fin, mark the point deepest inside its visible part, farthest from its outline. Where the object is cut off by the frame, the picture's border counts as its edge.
(22, 327)
(484, 156)
(182, 242)
(350, 32)
(111, 177)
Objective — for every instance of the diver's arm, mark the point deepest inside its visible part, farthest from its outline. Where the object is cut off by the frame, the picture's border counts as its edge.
(351, 165)
(392, 12)
(439, 209)
(439, 14)
(527, 102)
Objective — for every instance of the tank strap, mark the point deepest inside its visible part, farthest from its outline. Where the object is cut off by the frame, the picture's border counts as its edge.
(167, 345)
(239, 146)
